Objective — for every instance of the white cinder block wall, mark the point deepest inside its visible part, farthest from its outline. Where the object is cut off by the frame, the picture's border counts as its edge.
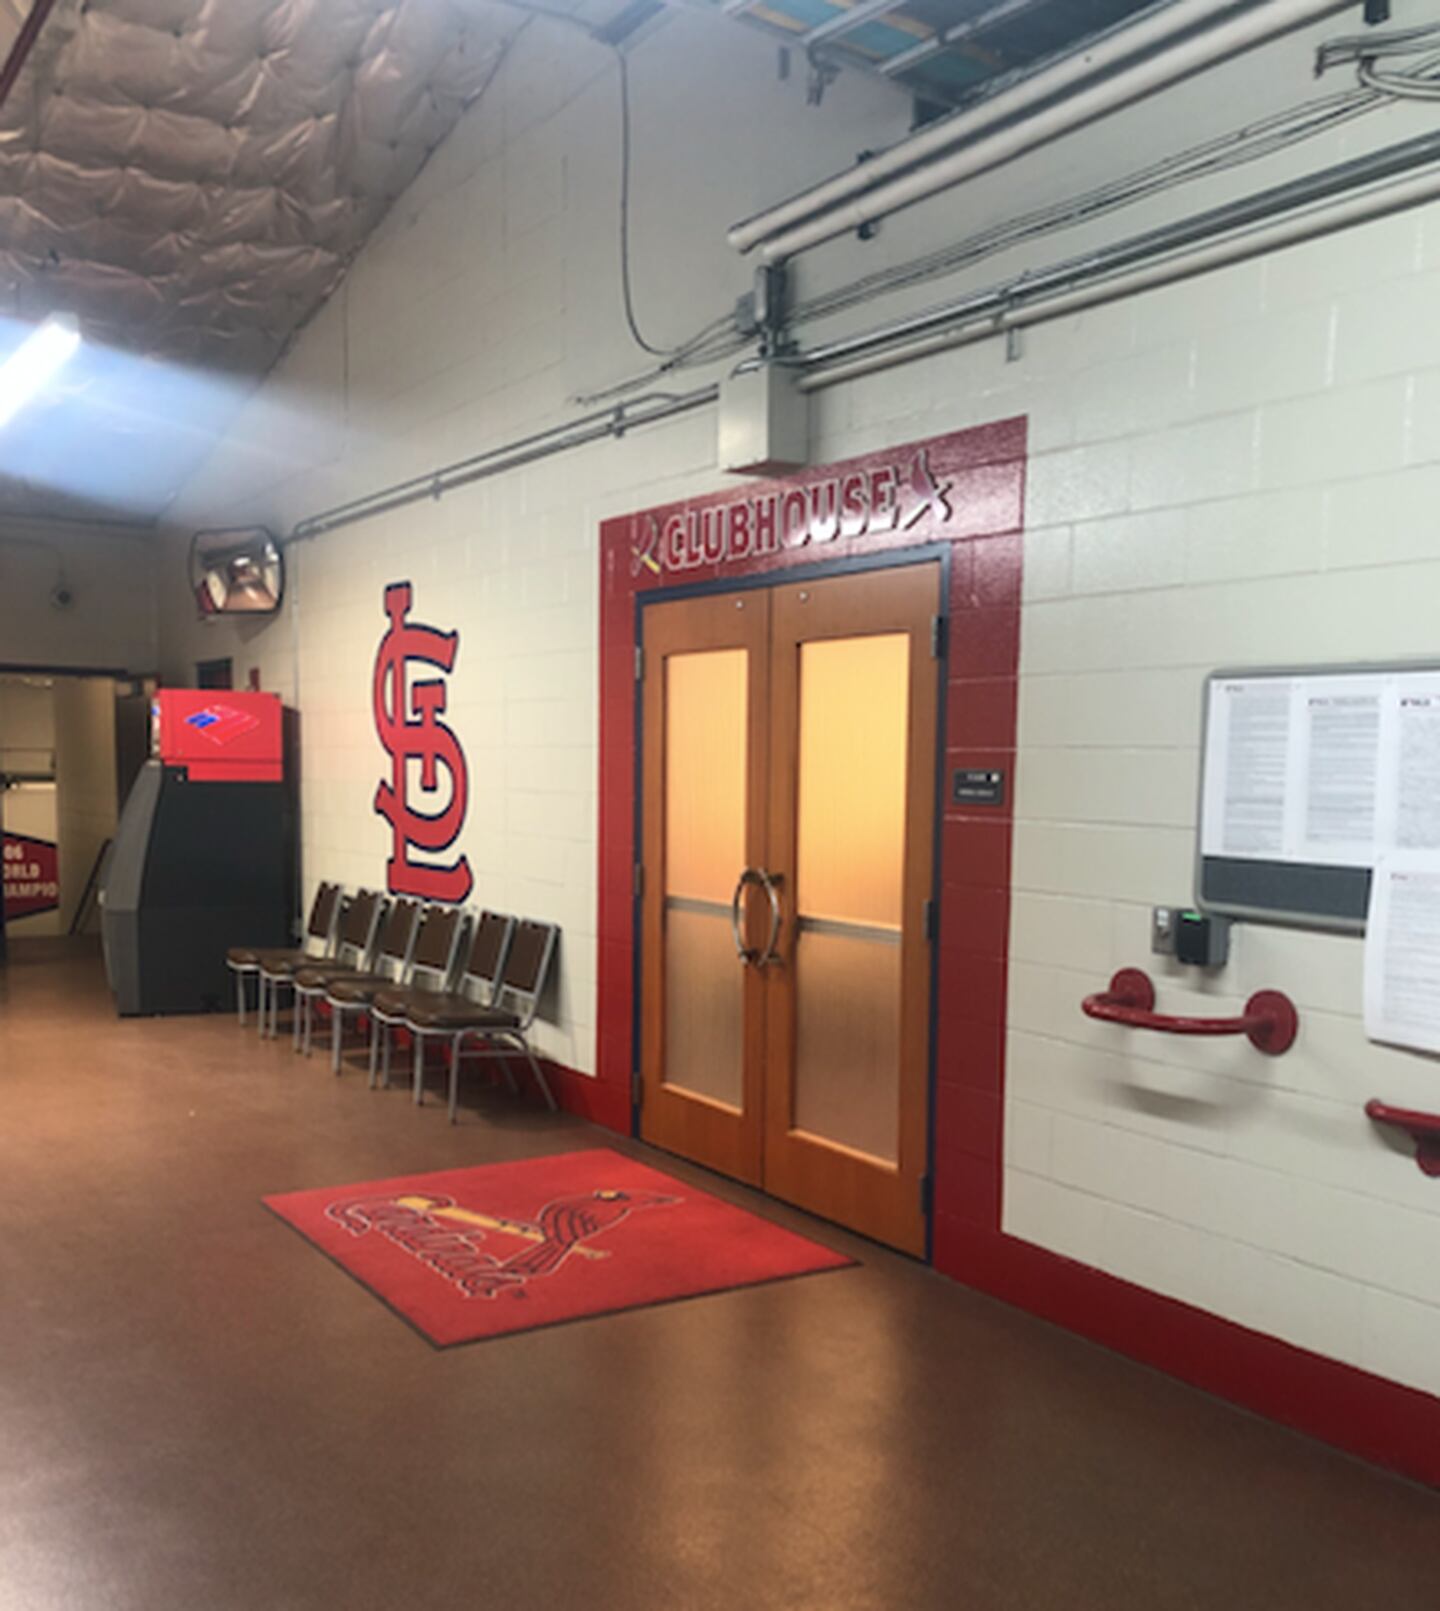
(1238, 469)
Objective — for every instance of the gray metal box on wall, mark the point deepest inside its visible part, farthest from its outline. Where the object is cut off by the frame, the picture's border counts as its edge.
(764, 422)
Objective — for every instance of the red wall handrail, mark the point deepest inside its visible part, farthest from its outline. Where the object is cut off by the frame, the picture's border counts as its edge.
(1424, 1131)
(1269, 1020)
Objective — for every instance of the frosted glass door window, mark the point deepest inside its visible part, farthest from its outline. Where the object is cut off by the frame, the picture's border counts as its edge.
(850, 860)
(705, 783)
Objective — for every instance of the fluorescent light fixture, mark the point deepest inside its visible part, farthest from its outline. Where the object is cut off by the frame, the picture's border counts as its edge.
(44, 351)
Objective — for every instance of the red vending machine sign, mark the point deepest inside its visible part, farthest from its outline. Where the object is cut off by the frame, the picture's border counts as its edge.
(219, 736)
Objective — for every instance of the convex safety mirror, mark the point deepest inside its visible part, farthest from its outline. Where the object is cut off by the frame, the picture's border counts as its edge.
(239, 570)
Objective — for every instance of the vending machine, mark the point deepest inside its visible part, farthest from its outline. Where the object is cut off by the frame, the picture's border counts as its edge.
(203, 857)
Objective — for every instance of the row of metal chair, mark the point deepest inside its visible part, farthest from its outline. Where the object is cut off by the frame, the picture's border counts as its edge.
(473, 984)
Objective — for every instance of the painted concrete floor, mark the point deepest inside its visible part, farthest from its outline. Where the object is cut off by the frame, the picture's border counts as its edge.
(198, 1411)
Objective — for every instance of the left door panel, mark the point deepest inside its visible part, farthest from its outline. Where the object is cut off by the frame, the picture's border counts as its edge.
(705, 707)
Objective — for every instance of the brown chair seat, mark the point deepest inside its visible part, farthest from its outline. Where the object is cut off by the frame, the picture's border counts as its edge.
(357, 989)
(396, 1001)
(281, 964)
(320, 975)
(429, 1009)
(253, 956)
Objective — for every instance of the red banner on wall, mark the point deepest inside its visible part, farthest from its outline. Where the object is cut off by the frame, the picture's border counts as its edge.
(31, 876)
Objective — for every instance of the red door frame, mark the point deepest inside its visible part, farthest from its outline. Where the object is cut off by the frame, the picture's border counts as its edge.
(980, 477)
(964, 490)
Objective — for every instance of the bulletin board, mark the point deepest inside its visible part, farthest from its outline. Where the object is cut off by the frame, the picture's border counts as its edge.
(1308, 775)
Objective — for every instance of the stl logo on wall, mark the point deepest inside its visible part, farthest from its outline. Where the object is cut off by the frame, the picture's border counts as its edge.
(420, 746)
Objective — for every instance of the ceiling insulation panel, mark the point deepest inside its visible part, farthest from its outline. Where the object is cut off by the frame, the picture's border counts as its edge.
(191, 177)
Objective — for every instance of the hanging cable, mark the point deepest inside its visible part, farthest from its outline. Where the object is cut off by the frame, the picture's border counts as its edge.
(627, 293)
(626, 289)
(1403, 86)
(1416, 83)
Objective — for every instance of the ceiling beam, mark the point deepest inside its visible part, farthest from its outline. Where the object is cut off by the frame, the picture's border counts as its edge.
(827, 54)
(855, 16)
(957, 34)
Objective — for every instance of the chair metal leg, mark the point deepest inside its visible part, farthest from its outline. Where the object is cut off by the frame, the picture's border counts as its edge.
(385, 1055)
(308, 1034)
(508, 1072)
(337, 1028)
(540, 1079)
(240, 998)
(418, 1088)
(294, 1019)
(455, 1075)
(260, 1008)
(374, 1049)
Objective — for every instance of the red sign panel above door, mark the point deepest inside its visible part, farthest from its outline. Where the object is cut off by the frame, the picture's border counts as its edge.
(947, 488)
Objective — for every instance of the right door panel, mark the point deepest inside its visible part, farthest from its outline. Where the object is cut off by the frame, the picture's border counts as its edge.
(853, 692)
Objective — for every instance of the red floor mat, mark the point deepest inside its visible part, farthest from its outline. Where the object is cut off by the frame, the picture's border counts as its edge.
(470, 1253)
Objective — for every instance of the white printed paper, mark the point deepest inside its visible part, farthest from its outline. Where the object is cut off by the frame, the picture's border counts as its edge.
(1417, 768)
(1247, 768)
(1402, 951)
(1341, 738)
(1328, 770)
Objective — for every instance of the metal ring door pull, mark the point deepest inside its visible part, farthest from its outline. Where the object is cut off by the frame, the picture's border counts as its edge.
(748, 955)
(771, 884)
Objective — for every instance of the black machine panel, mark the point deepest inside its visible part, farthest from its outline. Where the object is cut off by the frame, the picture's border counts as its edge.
(199, 864)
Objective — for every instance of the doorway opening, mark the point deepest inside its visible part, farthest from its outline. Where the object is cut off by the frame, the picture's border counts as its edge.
(69, 748)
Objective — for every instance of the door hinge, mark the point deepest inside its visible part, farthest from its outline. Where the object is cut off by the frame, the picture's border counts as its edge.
(639, 662)
(927, 1194)
(938, 625)
(932, 921)
(639, 881)
(637, 1089)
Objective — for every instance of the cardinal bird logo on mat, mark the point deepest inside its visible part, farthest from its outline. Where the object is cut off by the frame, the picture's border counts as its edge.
(447, 1237)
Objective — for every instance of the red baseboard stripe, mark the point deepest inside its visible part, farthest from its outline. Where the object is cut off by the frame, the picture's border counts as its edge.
(602, 1102)
(1366, 1415)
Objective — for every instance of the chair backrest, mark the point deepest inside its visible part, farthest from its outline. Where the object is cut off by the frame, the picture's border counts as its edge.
(324, 914)
(397, 938)
(359, 926)
(489, 949)
(437, 942)
(526, 967)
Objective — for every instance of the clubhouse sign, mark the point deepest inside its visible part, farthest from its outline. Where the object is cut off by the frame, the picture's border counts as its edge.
(858, 502)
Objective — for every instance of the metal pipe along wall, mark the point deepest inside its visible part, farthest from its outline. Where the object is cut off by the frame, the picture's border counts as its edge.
(886, 351)
(835, 209)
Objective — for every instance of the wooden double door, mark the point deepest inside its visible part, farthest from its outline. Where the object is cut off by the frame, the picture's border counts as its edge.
(788, 759)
